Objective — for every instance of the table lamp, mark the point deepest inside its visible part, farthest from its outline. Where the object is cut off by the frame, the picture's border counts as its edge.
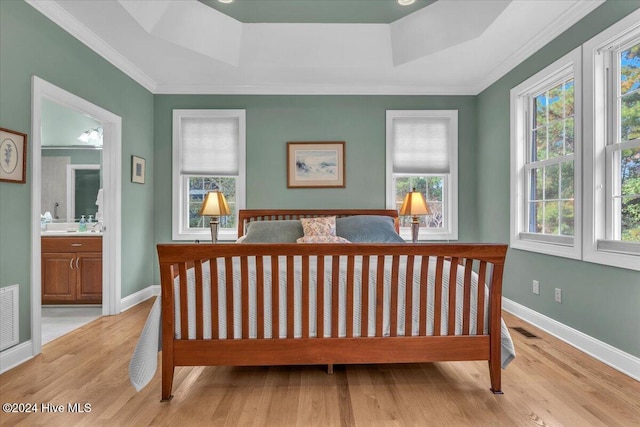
(215, 206)
(414, 205)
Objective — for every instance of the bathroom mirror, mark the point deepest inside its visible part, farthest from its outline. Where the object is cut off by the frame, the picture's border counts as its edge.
(69, 185)
(83, 183)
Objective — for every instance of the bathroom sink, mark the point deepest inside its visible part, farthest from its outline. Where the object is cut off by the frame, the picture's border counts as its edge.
(68, 228)
(63, 233)
(62, 226)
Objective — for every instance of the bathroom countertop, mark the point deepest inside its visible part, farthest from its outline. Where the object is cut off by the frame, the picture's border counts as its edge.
(63, 233)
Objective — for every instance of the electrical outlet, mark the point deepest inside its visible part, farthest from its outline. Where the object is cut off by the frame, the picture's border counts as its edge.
(536, 287)
(558, 295)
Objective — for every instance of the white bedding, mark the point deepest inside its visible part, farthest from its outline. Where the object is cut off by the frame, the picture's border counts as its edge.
(144, 361)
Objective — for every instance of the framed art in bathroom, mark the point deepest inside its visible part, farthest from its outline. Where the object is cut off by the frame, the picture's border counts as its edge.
(137, 169)
(13, 156)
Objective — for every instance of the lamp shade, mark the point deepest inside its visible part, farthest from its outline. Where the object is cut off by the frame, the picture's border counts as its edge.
(414, 204)
(214, 205)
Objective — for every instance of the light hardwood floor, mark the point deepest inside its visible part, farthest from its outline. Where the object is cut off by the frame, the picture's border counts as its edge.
(548, 384)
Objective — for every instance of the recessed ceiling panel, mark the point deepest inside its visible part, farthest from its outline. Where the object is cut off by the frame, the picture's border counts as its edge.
(316, 11)
(442, 25)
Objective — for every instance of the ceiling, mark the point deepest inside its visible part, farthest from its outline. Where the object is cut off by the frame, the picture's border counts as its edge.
(316, 11)
(286, 47)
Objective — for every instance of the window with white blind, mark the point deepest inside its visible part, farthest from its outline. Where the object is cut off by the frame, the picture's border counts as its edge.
(208, 155)
(612, 145)
(422, 153)
(545, 160)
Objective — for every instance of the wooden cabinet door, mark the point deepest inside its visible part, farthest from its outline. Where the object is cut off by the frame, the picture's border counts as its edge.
(58, 277)
(89, 281)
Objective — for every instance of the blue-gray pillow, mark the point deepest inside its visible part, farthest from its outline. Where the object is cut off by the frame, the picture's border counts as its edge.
(285, 231)
(368, 229)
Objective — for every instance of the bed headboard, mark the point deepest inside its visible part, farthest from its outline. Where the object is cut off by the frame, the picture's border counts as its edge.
(247, 215)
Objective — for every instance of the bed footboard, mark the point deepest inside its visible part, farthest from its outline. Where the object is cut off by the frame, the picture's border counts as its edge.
(295, 304)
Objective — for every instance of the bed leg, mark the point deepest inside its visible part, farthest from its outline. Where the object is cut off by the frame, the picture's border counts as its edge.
(496, 377)
(330, 369)
(167, 383)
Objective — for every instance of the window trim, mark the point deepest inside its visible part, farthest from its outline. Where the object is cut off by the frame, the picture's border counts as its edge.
(179, 209)
(450, 196)
(520, 237)
(597, 248)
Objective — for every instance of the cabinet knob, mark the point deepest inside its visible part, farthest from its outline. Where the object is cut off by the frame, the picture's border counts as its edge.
(71, 263)
(76, 244)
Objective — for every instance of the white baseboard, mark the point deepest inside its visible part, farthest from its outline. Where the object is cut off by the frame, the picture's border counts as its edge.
(617, 359)
(136, 298)
(16, 355)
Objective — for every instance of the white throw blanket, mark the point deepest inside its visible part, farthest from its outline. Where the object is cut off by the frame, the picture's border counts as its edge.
(144, 361)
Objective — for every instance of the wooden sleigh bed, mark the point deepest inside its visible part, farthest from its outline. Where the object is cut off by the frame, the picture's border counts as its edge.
(326, 304)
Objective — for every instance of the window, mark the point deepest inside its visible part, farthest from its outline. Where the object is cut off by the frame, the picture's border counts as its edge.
(422, 153)
(208, 154)
(612, 145)
(546, 160)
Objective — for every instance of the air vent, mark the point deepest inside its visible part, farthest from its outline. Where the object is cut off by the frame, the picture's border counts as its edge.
(524, 332)
(8, 316)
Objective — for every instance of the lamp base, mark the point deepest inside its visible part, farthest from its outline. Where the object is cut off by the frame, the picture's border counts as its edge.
(214, 229)
(415, 228)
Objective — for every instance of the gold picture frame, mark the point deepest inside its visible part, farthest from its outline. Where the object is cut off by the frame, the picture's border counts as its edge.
(316, 164)
(137, 169)
(13, 156)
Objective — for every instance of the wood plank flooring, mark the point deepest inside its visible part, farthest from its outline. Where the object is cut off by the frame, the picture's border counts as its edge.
(548, 384)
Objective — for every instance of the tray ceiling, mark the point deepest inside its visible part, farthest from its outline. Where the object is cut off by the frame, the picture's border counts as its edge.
(442, 47)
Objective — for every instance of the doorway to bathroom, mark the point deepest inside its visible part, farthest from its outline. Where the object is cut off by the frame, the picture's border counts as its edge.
(71, 184)
(85, 276)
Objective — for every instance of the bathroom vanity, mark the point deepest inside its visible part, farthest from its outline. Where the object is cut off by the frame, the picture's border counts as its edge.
(72, 268)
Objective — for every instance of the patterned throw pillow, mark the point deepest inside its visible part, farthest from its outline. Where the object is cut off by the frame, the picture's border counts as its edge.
(322, 239)
(323, 226)
(320, 230)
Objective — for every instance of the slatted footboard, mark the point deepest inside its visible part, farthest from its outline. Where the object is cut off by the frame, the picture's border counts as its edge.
(295, 304)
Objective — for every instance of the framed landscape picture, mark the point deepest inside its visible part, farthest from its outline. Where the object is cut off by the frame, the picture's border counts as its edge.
(13, 156)
(315, 165)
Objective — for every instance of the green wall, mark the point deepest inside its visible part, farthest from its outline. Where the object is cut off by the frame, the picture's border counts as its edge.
(30, 45)
(600, 301)
(272, 121)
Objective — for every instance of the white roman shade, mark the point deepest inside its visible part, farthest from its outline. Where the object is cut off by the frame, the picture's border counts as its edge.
(209, 145)
(421, 145)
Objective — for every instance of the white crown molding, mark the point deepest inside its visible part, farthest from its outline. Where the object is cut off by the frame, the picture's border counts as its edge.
(614, 357)
(559, 25)
(310, 90)
(67, 22)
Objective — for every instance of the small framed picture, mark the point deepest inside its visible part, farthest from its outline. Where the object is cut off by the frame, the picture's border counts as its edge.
(13, 156)
(137, 169)
(315, 165)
